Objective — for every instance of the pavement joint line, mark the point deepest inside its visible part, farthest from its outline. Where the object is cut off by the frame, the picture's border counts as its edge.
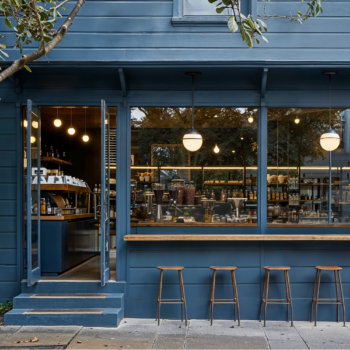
(267, 339)
(157, 334)
(81, 328)
(302, 337)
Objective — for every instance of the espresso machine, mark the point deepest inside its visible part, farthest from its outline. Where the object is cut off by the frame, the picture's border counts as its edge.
(158, 190)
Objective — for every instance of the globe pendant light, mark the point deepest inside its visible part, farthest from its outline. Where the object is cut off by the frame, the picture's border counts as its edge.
(330, 140)
(57, 122)
(297, 120)
(71, 130)
(250, 119)
(216, 149)
(85, 137)
(192, 140)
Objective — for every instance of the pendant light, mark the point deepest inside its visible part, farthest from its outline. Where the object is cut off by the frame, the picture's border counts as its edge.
(250, 119)
(71, 130)
(297, 120)
(25, 123)
(192, 140)
(216, 149)
(330, 140)
(85, 136)
(32, 139)
(57, 122)
(35, 124)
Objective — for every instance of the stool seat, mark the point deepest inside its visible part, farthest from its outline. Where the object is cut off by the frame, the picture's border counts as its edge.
(276, 268)
(328, 268)
(171, 268)
(223, 268)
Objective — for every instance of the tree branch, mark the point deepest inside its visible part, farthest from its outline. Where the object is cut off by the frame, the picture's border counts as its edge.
(42, 45)
(61, 4)
(25, 59)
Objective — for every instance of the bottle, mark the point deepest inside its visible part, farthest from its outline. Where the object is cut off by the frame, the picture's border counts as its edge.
(249, 217)
(277, 197)
(255, 196)
(57, 154)
(212, 196)
(52, 153)
(63, 153)
(46, 153)
(251, 195)
(229, 194)
(273, 194)
(285, 195)
(42, 206)
(206, 217)
(268, 194)
(48, 208)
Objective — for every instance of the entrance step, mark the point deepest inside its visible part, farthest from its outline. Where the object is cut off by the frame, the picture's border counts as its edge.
(66, 301)
(87, 317)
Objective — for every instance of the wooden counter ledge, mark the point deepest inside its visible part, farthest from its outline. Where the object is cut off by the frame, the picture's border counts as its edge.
(190, 224)
(66, 217)
(134, 238)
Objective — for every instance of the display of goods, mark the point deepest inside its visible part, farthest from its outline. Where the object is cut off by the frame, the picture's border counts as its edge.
(189, 195)
(180, 196)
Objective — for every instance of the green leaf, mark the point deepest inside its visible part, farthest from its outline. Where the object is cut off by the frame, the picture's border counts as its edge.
(27, 68)
(220, 9)
(227, 2)
(246, 37)
(212, 1)
(232, 24)
(263, 24)
(8, 23)
(47, 38)
(265, 39)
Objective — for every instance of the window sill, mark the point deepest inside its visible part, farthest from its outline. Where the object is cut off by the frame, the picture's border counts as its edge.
(200, 21)
(195, 224)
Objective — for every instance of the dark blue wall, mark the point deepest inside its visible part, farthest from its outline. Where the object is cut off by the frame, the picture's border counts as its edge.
(249, 257)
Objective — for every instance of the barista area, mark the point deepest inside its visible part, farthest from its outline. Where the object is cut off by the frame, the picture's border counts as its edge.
(70, 190)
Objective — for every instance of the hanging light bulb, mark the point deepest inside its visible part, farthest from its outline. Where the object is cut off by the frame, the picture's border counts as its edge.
(32, 139)
(192, 140)
(57, 122)
(297, 120)
(250, 119)
(71, 130)
(242, 138)
(25, 123)
(35, 124)
(85, 136)
(215, 116)
(233, 151)
(216, 149)
(330, 140)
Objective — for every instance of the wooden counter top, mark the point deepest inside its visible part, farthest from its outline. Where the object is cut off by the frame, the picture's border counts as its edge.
(66, 217)
(190, 224)
(135, 238)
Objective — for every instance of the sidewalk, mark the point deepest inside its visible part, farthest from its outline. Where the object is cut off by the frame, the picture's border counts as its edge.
(145, 334)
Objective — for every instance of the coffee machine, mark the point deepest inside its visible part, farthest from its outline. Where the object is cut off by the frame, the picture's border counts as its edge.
(158, 190)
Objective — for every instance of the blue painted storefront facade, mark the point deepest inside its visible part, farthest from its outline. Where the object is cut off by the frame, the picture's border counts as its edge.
(155, 44)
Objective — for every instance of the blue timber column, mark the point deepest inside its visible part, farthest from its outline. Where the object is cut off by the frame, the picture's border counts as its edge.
(123, 187)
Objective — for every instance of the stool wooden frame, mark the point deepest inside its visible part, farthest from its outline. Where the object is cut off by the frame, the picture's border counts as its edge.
(337, 301)
(224, 301)
(181, 301)
(287, 301)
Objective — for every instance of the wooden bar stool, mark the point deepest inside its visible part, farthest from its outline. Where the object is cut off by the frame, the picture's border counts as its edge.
(181, 301)
(337, 301)
(287, 301)
(224, 301)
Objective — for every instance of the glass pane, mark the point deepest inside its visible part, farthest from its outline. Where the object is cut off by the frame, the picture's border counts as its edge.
(298, 167)
(212, 183)
(202, 8)
(35, 195)
(107, 204)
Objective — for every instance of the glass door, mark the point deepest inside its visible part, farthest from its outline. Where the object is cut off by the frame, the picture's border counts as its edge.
(105, 176)
(32, 195)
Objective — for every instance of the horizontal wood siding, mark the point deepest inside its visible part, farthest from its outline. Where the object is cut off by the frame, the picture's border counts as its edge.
(142, 31)
(9, 277)
(249, 257)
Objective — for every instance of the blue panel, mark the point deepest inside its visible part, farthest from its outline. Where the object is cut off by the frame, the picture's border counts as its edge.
(8, 256)
(8, 240)
(9, 289)
(8, 273)
(8, 158)
(8, 175)
(8, 207)
(7, 143)
(7, 126)
(8, 191)
(8, 224)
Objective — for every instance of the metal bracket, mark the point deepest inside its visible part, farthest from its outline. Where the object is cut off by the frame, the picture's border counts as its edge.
(263, 82)
(122, 81)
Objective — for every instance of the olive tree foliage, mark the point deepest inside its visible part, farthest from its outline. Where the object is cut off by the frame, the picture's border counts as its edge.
(33, 20)
(253, 28)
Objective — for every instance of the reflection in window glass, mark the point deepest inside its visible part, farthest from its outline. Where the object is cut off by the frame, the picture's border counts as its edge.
(202, 8)
(298, 167)
(217, 184)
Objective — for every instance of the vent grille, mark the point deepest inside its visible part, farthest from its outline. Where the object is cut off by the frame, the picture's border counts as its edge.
(113, 147)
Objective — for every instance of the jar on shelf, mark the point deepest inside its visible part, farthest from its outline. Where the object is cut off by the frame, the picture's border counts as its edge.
(190, 192)
(179, 186)
(42, 206)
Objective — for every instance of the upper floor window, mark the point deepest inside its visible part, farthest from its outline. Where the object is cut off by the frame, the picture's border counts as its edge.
(202, 8)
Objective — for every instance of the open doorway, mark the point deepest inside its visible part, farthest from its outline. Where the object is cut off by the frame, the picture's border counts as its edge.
(76, 146)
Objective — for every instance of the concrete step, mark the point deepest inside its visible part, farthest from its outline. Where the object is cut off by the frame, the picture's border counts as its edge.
(95, 317)
(67, 301)
(64, 286)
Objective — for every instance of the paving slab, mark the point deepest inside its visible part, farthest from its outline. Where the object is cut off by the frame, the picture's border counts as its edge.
(282, 344)
(227, 330)
(48, 336)
(225, 342)
(216, 323)
(140, 321)
(167, 341)
(173, 327)
(111, 343)
(282, 333)
(7, 331)
(125, 331)
(327, 345)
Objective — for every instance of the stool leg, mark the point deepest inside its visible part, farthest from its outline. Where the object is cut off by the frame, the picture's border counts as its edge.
(234, 294)
(211, 294)
(287, 293)
(159, 295)
(336, 288)
(212, 298)
(318, 290)
(182, 299)
(266, 296)
(290, 299)
(183, 293)
(262, 297)
(342, 296)
(313, 295)
(236, 305)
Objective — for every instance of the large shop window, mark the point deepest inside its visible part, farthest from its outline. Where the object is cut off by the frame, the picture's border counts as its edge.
(298, 168)
(215, 185)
